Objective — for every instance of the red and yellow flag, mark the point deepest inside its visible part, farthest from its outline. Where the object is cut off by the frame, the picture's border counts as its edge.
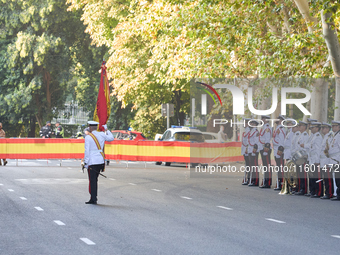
(103, 107)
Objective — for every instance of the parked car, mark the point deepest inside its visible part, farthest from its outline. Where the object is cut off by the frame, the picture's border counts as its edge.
(210, 137)
(128, 135)
(182, 134)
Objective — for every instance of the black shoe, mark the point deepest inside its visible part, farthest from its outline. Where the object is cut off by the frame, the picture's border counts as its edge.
(335, 199)
(278, 188)
(90, 202)
(5, 163)
(300, 193)
(265, 187)
(315, 196)
(107, 162)
(244, 183)
(252, 184)
(326, 197)
(308, 195)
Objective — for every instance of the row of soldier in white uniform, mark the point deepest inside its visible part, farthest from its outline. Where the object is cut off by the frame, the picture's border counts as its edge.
(322, 147)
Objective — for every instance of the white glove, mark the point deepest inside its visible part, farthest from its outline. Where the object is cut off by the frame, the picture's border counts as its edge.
(105, 127)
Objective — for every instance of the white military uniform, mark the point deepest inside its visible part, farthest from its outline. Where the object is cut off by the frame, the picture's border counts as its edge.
(302, 179)
(288, 144)
(334, 158)
(278, 139)
(253, 138)
(313, 148)
(294, 146)
(334, 149)
(303, 139)
(265, 136)
(245, 141)
(326, 139)
(92, 155)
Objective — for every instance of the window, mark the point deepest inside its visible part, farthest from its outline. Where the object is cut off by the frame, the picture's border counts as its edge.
(166, 135)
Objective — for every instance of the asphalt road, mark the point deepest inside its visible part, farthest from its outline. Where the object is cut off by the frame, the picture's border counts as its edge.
(148, 209)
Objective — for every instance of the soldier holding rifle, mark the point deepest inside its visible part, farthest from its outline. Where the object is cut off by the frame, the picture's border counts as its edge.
(313, 148)
(244, 151)
(302, 175)
(279, 136)
(333, 153)
(253, 150)
(265, 151)
(324, 166)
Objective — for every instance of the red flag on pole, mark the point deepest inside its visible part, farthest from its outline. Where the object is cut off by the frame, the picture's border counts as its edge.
(103, 107)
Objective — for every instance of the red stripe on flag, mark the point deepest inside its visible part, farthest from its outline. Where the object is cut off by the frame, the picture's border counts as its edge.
(45, 156)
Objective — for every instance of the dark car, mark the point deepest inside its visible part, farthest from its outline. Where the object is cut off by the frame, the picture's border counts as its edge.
(128, 135)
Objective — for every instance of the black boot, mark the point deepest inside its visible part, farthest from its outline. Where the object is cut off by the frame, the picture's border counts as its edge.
(91, 202)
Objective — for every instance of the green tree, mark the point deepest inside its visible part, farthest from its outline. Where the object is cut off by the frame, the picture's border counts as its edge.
(156, 47)
(43, 48)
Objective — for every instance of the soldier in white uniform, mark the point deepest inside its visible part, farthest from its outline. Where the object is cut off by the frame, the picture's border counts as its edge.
(94, 157)
(265, 150)
(325, 169)
(279, 136)
(253, 150)
(244, 151)
(287, 145)
(302, 174)
(294, 146)
(334, 156)
(313, 148)
(309, 121)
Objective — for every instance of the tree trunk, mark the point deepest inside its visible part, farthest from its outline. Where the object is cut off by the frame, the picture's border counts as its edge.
(286, 18)
(319, 102)
(180, 116)
(39, 120)
(38, 115)
(47, 78)
(304, 10)
(333, 46)
(31, 132)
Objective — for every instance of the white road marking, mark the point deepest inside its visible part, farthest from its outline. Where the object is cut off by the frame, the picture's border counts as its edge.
(10, 190)
(1, 184)
(23, 198)
(186, 197)
(158, 190)
(39, 208)
(87, 241)
(112, 179)
(60, 223)
(69, 168)
(132, 183)
(226, 208)
(277, 221)
(336, 236)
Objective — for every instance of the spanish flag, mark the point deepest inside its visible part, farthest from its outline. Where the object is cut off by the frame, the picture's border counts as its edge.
(103, 107)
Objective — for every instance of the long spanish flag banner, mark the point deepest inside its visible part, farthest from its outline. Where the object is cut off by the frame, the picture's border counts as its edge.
(182, 152)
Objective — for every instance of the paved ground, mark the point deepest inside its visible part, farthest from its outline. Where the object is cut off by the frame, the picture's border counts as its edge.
(148, 209)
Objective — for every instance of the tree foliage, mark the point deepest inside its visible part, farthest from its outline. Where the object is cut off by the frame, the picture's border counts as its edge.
(156, 47)
(45, 56)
